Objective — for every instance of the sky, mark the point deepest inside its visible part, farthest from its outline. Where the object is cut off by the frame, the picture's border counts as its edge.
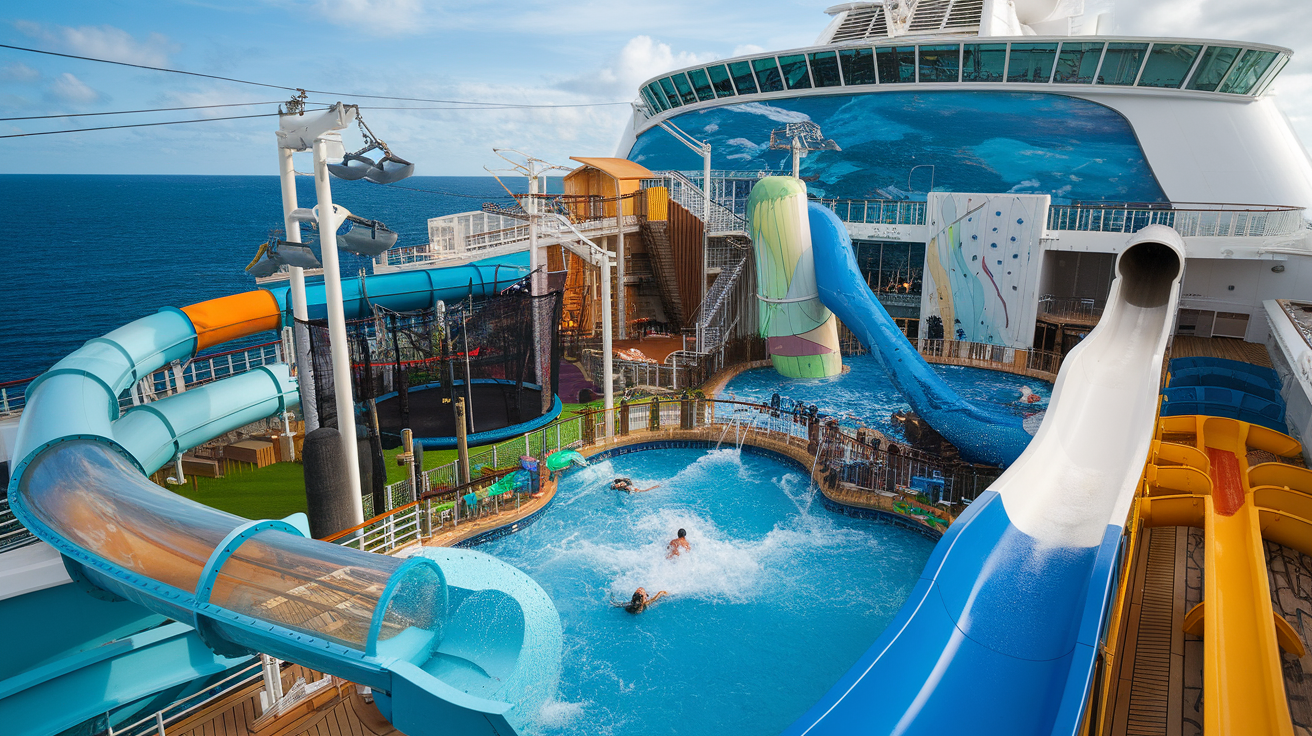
(528, 51)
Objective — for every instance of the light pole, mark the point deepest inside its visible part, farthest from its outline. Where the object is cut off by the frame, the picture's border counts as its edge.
(300, 333)
(800, 139)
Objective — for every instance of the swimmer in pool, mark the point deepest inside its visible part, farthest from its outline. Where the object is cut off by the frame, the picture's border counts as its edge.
(626, 485)
(679, 542)
(640, 601)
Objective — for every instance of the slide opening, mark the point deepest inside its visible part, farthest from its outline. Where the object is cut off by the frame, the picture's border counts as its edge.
(1147, 271)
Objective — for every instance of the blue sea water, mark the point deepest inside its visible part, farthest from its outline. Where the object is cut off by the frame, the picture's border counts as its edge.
(865, 395)
(776, 600)
(86, 254)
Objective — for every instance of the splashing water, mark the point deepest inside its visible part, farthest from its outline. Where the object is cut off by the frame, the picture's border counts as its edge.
(768, 580)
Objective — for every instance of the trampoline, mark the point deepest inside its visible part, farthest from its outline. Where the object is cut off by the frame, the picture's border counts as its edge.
(501, 410)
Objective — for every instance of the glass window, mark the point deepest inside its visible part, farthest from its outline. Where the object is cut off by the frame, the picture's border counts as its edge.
(1250, 68)
(1211, 70)
(685, 89)
(720, 80)
(1120, 65)
(940, 63)
(1271, 75)
(896, 64)
(824, 69)
(983, 62)
(1031, 62)
(1168, 65)
(795, 72)
(858, 66)
(702, 84)
(671, 97)
(651, 100)
(767, 75)
(1077, 63)
(742, 77)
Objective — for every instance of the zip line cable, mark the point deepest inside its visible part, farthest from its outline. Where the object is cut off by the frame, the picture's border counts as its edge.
(292, 89)
(134, 112)
(147, 125)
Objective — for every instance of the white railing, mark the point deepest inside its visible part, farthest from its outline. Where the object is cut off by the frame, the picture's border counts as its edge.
(205, 369)
(12, 533)
(1204, 220)
(877, 211)
(687, 194)
(183, 707)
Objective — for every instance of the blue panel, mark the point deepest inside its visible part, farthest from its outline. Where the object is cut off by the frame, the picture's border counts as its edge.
(985, 141)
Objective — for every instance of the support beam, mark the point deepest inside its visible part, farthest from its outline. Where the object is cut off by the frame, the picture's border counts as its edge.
(300, 333)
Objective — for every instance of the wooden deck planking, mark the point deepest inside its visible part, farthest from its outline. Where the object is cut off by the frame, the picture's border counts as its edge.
(1185, 346)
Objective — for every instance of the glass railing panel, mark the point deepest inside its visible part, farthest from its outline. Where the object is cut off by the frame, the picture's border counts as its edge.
(685, 88)
(824, 69)
(795, 73)
(1216, 61)
(1120, 65)
(767, 75)
(940, 63)
(1278, 67)
(720, 80)
(1031, 62)
(858, 66)
(1168, 65)
(1251, 66)
(983, 62)
(701, 84)
(671, 96)
(1077, 63)
(742, 77)
(897, 65)
(650, 97)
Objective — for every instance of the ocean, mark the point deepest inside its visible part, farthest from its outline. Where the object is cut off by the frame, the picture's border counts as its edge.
(86, 254)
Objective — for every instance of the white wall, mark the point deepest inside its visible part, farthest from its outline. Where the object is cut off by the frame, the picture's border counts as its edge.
(1207, 281)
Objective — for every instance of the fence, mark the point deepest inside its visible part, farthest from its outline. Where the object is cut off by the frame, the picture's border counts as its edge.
(155, 723)
(682, 369)
(877, 211)
(852, 461)
(1200, 221)
(1069, 307)
(1037, 363)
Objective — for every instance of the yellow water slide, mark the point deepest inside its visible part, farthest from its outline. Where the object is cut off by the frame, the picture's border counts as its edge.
(1210, 484)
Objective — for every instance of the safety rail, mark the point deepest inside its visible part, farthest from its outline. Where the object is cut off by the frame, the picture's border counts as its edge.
(877, 211)
(681, 369)
(1040, 364)
(1069, 307)
(200, 371)
(156, 722)
(13, 395)
(689, 195)
(855, 464)
(1188, 219)
(12, 533)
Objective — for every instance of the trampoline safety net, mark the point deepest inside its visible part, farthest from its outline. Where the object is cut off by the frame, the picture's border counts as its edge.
(495, 353)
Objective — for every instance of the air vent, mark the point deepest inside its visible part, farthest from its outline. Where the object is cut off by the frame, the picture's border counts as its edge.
(929, 15)
(859, 24)
(965, 14)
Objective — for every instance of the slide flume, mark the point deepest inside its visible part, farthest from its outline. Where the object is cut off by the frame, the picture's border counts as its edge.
(1000, 634)
(415, 630)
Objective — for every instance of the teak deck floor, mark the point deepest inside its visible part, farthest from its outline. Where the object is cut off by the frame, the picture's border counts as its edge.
(1185, 346)
(347, 714)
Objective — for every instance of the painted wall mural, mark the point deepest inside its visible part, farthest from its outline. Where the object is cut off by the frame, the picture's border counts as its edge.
(1021, 143)
(982, 267)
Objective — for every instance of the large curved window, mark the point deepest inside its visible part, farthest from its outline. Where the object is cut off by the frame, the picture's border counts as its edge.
(767, 75)
(720, 80)
(1031, 62)
(1120, 65)
(940, 63)
(686, 94)
(983, 62)
(742, 77)
(701, 84)
(897, 65)
(1252, 65)
(824, 69)
(1168, 65)
(858, 66)
(1216, 62)
(671, 96)
(1077, 63)
(795, 72)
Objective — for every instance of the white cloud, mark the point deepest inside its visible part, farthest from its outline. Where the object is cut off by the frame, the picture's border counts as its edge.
(377, 17)
(68, 88)
(18, 72)
(746, 49)
(641, 59)
(101, 42)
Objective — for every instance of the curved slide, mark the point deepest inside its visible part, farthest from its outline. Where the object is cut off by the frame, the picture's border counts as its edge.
(982, 434)
(1000, 634)
(415, 630)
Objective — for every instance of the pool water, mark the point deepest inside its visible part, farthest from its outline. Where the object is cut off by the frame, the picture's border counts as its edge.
(864, 394)
(776, 600)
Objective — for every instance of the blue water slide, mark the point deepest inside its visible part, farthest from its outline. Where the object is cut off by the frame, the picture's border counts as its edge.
(988, 435)
(406, 291)
(460, 643)
(1001, 633)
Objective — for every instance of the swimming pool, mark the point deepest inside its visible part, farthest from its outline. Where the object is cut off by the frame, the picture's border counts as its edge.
(776, 600)
(866, 394)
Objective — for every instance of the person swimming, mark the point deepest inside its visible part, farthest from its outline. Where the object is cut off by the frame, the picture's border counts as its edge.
(627, 485)
(679, 542)
(640, 601)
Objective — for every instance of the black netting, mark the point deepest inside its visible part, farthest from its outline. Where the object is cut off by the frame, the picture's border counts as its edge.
(414, 364)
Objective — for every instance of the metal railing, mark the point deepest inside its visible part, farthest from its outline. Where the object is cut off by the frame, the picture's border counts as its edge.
(851, 461)
(12, 533)
(1039, 363)
(13, 395)
(183, 707)
(201, 370)
(682, 369)
(686, 193)
(1069, 307)
(877, 211)
(1203, 220)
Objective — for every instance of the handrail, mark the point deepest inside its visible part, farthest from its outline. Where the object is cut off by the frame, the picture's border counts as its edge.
(158, 716)
(426, 495)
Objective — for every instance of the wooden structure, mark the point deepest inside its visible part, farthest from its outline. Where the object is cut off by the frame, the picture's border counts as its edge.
(255, 452)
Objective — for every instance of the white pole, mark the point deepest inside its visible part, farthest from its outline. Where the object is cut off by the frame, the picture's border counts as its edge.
(619, 261)
(300, 333)
(339, 346)
(706, 238)
(797, 159)
(607, 362)
(537, 287)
